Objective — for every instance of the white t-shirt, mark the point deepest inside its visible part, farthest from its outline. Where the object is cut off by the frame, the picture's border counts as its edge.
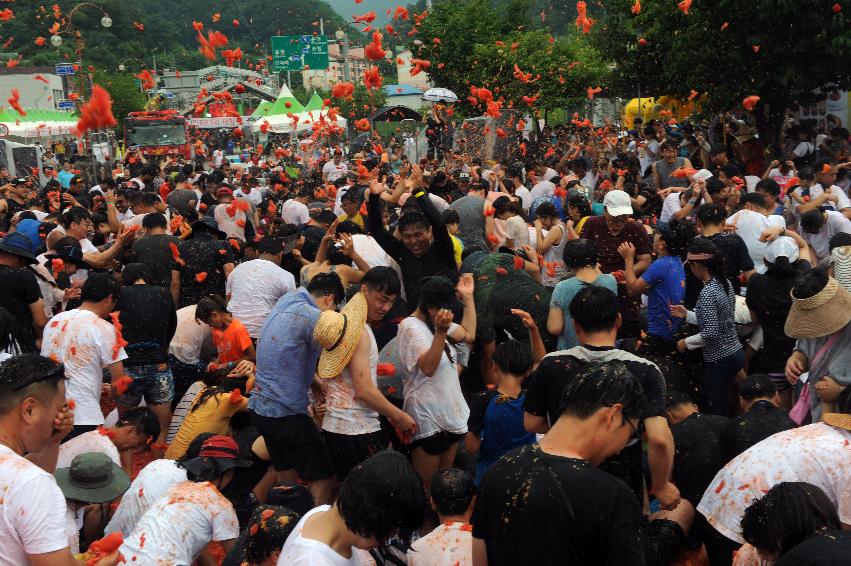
(92, 441)
(294, 212)
(84, 343)
(835, 223)
(344, 413)
(541, 189)
(645, 160)
(525, 196)
(334, 171)
(180, 524)
(803, 148)
(670, 205)
(439, 203)
(301, 551)
(517, 229)
(370, 251)
(338, 200)
(136, 220)
(449, 543)
(435, 403)
(818, 454)
(189, 337)
(153, 481)
(228, 224)
(816, 190)
(32, 516)
(779, 177)
(254, 288)
(218, 157)
(749, 226)
(254, 197)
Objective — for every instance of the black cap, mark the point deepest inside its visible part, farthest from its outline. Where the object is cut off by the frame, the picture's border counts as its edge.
(20, 181)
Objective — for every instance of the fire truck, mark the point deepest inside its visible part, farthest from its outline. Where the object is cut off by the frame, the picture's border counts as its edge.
(158, 132)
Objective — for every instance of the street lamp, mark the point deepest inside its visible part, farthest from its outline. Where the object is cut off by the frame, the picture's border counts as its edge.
(343, 36)
(56, 39)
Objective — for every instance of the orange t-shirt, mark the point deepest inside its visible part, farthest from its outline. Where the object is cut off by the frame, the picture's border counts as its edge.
(231, 342)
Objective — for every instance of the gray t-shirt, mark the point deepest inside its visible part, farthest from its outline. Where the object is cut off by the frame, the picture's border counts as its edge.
(471, 230)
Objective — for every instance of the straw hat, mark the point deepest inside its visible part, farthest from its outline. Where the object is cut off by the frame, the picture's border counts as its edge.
(840, 419)
(824, 313)
(338, 333)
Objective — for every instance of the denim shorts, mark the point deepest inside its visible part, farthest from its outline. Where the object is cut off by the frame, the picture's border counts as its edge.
(153, 382)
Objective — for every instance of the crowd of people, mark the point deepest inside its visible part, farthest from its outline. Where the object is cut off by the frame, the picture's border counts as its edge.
(603, 348)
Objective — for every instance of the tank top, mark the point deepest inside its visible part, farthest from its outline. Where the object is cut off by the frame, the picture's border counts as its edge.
(345, 414)
(555, 255)
(664, 170)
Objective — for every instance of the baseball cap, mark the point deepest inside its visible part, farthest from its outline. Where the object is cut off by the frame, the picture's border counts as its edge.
(784, 246)
(20, 181)
(617, 203)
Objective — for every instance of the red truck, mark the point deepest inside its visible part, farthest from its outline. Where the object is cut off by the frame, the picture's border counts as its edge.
(158, 132)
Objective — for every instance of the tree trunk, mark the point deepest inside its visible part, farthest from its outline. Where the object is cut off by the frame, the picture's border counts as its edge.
(769, 124)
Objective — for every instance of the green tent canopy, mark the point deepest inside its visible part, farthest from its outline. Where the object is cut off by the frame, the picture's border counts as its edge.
(280, 106)
(315, 103)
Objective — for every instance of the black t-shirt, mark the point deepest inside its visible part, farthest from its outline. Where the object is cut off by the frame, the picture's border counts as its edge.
(12, 208)
(547, 382)
(154, 251)
(768, 296)
(761, 421)
(737, 260)
(149, 321)
(203, 254)
(312, 238)
(698, 454)
(20, 290)
(522, 513)
(832, 548)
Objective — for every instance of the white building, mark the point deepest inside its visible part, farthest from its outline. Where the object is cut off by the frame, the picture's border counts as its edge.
(405, 95)
(35, 93)
(320, 79)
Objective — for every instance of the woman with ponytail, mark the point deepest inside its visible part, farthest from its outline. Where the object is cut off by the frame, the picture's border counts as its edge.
(713, 314)
(769, 301)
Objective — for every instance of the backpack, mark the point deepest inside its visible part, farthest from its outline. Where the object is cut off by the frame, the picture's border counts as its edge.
(807, 159)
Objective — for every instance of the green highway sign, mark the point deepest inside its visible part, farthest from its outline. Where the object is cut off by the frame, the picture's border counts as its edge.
(295, 52)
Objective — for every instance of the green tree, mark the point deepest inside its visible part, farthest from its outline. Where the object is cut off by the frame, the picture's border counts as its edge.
(776, 49)
(553, 71)
(125, 93)
(362, 103)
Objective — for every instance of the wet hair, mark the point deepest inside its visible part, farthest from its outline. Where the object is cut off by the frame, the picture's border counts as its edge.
(756, 386)
(452, 491)
(711, 214)
(729, 170)
(413, 219)
(806, 174)
(75, 215)
(270, 245)
(714, 186)
(209, 305)
(323, 284)
(383, 497)
(580, 202)
(756, 199)
(148, 198)
(839, 240)
(820, 163)
(678, 236)
(450, 216)
(769, 186)
(154, 220)
(13, 340)
(789, 514)
(382, 279)
(601, 385)
(674, 398)
(194, 448)
(348, 227)
(717, 148)
(513, 357)
(505, 204)
(810, 283)
(28, 368)
(324, 217)
(143, 419)
(580, 253)
(99, 286)
(305, 192)
(546, 210)
(715, 263)
(352, 195)
(812, 221)
(267, 532)
(595, 309)
(667, 144)
(132, 272)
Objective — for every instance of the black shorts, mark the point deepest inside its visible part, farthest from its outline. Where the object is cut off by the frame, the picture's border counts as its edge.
(664, 538)
(347, 451)
(437, 443)
(294, 442)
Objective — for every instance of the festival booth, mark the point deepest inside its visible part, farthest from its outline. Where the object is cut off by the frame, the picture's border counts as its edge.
(36, 125)
(286, 115)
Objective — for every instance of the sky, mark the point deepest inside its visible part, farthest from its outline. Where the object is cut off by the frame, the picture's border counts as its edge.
(348, 8)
